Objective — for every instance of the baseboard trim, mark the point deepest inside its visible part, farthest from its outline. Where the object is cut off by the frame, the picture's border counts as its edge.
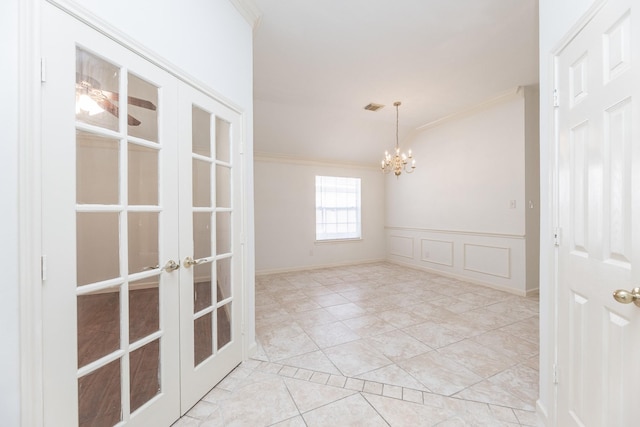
(316, 267)
(463, 278)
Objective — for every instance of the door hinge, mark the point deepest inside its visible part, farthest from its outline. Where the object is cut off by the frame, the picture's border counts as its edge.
(556, 98)
(43, 267)
(556, 376)
(43, 70)
(556, 236)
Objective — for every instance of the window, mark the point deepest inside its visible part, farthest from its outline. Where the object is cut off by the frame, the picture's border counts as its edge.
(337, 208)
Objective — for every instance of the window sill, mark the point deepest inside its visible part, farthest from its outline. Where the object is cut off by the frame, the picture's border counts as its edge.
(352, 240)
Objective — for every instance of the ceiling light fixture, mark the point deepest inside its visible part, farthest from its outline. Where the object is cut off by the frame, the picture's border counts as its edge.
(399, 161)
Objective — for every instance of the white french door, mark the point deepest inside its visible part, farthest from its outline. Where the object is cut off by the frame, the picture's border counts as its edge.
(598, 207)
(209, 243)
(141, 273)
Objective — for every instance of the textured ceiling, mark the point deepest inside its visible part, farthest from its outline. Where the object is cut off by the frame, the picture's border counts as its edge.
(317, 63)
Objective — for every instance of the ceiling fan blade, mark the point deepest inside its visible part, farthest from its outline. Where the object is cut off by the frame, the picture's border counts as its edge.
(132, 121)
(113, 109)
(141, 103)
(132, 100)
(106, 105)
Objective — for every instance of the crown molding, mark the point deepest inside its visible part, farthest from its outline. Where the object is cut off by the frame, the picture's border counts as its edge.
(511, 93)
(261, 156)
(249, 11)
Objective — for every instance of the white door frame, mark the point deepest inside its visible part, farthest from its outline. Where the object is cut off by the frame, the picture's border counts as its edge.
(29, 253)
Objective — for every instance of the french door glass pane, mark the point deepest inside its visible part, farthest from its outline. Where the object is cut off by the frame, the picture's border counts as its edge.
(223, 232)
(224, 325)
(97, 91)
(203, 340)
(142, 120)
(202, 287)
(144, 373)
(201, 128)
(201, 234)
(223, 186)
(97, 169)
(98, 325)
(143, 241)
(99, 396)
(223, 278)
(223, 140)
(97, 243)
(143, 175)
(144, 308)
(201, 183)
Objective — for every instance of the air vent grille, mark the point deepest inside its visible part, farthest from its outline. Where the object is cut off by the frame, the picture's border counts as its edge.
(373, 107)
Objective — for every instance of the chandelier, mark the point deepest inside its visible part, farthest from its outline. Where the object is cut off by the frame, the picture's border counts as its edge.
(400, 161)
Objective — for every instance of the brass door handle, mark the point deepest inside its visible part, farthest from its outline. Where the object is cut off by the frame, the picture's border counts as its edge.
(189, 262)
(628, 297)
(170, 266)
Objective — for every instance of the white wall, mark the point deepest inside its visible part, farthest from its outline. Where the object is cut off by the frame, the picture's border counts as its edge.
(285, 216)
(556, 19)
(462, 211)
(9, 290)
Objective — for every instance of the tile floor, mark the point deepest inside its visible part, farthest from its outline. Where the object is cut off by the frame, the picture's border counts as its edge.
(381, 345)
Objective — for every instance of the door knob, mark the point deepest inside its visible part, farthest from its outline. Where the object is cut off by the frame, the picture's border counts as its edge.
(189, 262)
(170, 266)
(628, 297)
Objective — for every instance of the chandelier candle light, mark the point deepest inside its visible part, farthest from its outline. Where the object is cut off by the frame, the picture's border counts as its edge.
(399, 161)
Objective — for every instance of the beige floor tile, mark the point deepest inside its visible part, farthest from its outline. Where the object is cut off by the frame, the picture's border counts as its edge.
(393, 375)
(330, 299)
(351, 411)
(398, 345)
(356, 358)
(507, 344)
(400, 413)
(526, 418)
(308, 396)
(392, 391)
(401, 318)
(186, 421)
(346, 311)
(479, 359)
(368, 325)
(434, 335)
(315, 361)
(331, 334)
(286, 341)
(488, 392)
(291, 422)
(313, 318)
(240, 408)
(439, 373)
(411, 395)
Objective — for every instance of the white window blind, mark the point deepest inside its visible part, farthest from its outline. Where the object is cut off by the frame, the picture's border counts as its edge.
(337, 208)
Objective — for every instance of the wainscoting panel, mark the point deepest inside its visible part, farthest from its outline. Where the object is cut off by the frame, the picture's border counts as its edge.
(491, 259)
(437, 252)
(401, 246)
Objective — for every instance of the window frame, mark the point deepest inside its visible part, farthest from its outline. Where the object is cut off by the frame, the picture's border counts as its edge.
(338, 208)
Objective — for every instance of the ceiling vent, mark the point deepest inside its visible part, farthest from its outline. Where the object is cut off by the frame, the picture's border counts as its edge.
(373, 107)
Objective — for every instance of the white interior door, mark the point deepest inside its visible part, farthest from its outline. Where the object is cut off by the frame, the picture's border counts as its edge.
(598, 209)
(129, 192)
(209, 243)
